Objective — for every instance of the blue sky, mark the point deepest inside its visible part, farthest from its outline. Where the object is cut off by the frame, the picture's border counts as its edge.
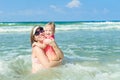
(59, 10)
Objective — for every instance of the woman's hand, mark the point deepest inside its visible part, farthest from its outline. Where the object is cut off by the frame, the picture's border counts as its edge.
(47, 41)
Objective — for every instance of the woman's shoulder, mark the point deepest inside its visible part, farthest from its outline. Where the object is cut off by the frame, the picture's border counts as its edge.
(35, 48)
(34, 44)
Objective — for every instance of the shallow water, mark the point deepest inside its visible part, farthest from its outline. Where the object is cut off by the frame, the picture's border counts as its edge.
(91, 49)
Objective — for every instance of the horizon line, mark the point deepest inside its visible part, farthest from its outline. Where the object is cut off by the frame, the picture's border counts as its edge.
(65, 21)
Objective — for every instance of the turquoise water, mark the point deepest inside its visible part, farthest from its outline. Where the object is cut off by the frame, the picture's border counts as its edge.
(91, 49)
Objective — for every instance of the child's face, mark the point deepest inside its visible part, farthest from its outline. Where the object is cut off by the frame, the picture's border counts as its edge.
(49, 31)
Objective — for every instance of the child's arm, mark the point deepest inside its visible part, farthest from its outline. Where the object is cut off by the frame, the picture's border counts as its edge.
(57, 50)
(53, 44)
(39, 45)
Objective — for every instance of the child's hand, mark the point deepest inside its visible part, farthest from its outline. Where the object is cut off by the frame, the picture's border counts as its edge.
(52, 42)
(47, 41)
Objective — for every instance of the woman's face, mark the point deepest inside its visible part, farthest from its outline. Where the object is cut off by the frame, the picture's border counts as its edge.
(39, 35)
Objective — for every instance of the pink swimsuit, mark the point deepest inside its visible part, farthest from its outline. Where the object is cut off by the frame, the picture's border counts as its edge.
(48, 47)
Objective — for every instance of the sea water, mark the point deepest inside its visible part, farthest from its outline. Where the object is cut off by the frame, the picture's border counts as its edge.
(91, 51)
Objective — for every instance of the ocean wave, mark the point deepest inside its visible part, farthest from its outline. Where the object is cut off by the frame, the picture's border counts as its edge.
(3, 67)
(68, 27)
(21, 23)
(91, 28)
(15, 29)
(84, 71)
(106, 22)
(19, 68)
(63, 29)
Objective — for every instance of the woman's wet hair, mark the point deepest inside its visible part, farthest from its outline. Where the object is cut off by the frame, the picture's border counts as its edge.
(33, 31)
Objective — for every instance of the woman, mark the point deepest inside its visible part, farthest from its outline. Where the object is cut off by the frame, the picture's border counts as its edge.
(39, 59)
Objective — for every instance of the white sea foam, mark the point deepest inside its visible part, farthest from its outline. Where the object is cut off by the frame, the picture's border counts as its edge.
(15, 29)
(107, 22)
(3, 67)
(86, 72)
(76, 57)
(66, 27)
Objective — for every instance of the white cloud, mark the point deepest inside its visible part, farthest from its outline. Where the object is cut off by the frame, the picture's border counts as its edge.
(105, 11)
(27, 12)
(31, 12)
(53, 6)
(73, 3)
(57, 9)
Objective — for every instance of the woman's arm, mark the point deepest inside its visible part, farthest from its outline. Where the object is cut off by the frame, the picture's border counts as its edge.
(39, 45)
(43, 58)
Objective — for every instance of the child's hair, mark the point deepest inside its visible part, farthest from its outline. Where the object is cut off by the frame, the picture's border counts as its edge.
(52, 24)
